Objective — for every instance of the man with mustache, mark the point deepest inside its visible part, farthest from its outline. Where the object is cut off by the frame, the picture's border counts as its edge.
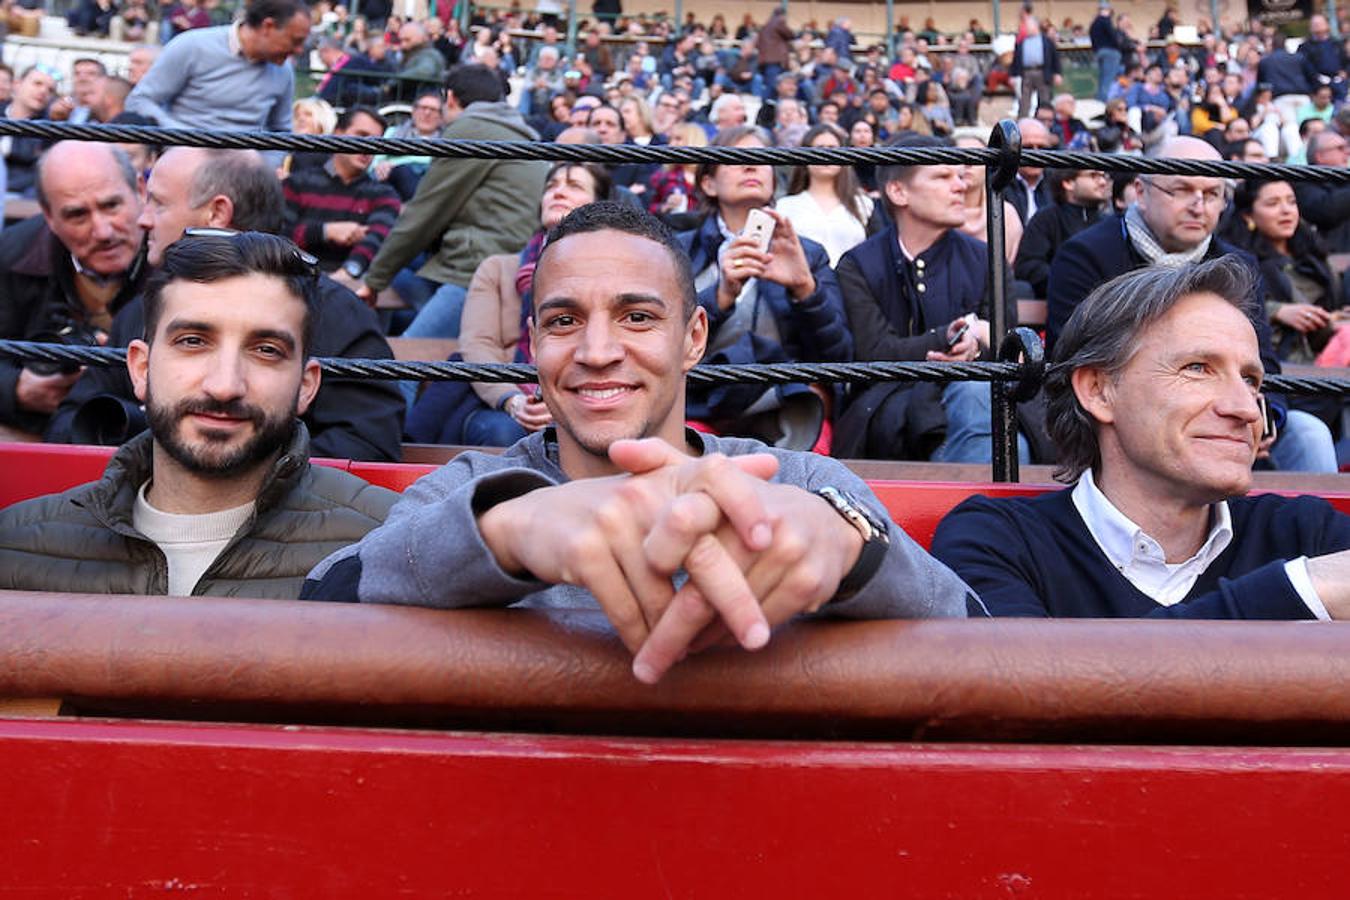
(67, 271)
(219, 497)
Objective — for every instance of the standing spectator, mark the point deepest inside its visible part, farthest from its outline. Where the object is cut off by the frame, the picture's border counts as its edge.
(1291, 78)
(466, 209)
(338, 212)
(1036, 61)
(1105, 48)
(826, 203)
(840, 39)
(231, 77)
(1080, 195)
(774, 45)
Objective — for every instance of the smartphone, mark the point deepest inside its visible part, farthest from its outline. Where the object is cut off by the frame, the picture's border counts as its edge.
(760, 225)
(1269, 429)
(960, 332)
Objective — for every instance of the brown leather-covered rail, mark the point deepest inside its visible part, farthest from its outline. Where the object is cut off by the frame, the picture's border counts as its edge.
(1219, 682)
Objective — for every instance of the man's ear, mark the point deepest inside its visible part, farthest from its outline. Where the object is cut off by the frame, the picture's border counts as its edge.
(1095, 390)
(695, 339)
(138, 366)
(896, 193)
(220, 212)
(309, 386)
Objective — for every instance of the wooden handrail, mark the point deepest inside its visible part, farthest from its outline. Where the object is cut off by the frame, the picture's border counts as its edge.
(1079, 681)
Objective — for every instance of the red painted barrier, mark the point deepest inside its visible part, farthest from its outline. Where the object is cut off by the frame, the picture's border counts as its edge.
(104, 807)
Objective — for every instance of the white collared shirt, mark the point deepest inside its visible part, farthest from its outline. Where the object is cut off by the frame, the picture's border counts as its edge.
(1141, 559)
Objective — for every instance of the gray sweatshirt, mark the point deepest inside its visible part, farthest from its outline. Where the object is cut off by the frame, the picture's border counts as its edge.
(429, 551)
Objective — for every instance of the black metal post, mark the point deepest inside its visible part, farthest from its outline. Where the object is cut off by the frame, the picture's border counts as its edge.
(1003, 414)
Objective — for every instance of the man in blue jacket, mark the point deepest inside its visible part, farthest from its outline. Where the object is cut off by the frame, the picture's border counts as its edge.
(1172, 224)
(1153, 400)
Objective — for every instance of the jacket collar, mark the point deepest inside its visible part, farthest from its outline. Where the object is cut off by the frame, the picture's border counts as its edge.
(47, 257)
(113, 497)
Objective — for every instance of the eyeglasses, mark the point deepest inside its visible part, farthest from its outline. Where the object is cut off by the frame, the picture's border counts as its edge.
(308, 261)
(1209, 196)
(424, 107)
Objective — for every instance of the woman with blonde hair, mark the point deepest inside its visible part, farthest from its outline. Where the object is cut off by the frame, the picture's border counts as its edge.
(977, 211)
(637, 120)
(310, 115)
(671, 188)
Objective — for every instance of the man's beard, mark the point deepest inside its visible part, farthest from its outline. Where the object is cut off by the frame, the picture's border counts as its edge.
(210, 458)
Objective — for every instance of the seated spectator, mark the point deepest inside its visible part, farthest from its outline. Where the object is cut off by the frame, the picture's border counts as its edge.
(1116, 135)
(1305, 297)
(358, 418)
(309, 115)
(670, 190)
(421, 61)
(1173, 222)
(337, 211)
(32, 95)
(219, 497)
(1153, 402)
(496, 316)
(337, 88)
(825, 203)
(1028, 192)
(976, 202)
(584, 515)
(544, 80)
(637, 121)
(607, 121)
(1213, 114)
(762, 307)
(1325, 205)
(403, 173)
(1306, 129)
(916, 291)
(1080, 195)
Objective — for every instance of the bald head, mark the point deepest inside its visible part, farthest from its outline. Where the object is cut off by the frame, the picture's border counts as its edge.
(1182, 211)
(1035, 136)
(90, 197)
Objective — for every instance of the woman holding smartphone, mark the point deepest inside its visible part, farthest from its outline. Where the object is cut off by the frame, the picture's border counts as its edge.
(770, 296)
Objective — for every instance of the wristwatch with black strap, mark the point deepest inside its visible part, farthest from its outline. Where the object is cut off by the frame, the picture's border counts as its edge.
(875, 534)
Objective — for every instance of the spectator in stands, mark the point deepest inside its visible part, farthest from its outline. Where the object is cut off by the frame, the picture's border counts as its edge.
(337, 211)
(496, 320)
(1153, 404)
(109, 99)
(671, 189)
(1029, 192)
(1326, 54)
(607, 121)
(68, 271)
(1105, 48)
(728, 111)
(466, 209)
(403, 173)
(1116, 135)
(612, 359)
(1080, 195)
(977, 205)
(778, 305)
(1324, 205)
(238, 190)
(916, 291)
(1305, 297)
(139, 61)
(774, 46)
(219, 497)
(1066, 126)
(421, 61)
(637, 121)
(826, 203)
(544, 80)
(1172, 222)
(228, 77)
(1036, 62)
(32, 94)
(338, 89)
(86, 78)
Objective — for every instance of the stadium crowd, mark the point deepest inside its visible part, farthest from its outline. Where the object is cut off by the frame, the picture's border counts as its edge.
(822, 263)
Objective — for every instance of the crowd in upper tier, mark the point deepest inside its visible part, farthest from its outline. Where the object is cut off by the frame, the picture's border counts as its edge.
(814, 263)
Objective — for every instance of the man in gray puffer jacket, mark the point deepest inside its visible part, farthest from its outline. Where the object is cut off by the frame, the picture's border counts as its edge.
(219, 496)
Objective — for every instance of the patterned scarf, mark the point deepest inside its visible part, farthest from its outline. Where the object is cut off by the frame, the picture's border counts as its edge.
(1143, 240)
(529, 259)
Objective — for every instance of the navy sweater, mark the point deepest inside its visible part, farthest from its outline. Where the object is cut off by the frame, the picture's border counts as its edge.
(1035, 557)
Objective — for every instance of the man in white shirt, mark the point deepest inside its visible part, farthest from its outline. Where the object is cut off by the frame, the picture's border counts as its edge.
(1154, 402)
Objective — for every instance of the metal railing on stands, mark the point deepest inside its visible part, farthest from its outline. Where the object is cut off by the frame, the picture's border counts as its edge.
(1015, 376)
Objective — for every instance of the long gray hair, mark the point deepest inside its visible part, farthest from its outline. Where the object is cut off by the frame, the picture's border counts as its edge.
(1104, 331)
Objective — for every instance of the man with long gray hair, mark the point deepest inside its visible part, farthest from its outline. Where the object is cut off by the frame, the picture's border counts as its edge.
(1154, 400)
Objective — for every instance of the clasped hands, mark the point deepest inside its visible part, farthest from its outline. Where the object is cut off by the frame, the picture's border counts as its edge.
(756, 552)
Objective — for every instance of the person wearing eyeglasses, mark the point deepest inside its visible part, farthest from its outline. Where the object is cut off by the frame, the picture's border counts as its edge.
(219, 496)
(1172, 223)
